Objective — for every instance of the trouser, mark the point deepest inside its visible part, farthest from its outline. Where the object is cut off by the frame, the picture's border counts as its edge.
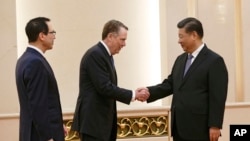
(176, 136)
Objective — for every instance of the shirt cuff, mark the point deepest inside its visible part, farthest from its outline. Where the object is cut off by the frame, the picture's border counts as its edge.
(133, 96)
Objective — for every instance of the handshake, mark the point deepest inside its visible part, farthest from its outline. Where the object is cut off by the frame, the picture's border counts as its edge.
(142, 94)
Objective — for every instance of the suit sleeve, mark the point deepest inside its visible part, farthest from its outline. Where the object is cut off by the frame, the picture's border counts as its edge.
(218, 84)
(100, 74)
(36, 79)
(161, 90)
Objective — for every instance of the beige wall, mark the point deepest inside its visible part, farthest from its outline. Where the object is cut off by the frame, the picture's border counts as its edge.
(246, 46)
(79, 25)
(8, 55)
(151, 46)
(218, 22)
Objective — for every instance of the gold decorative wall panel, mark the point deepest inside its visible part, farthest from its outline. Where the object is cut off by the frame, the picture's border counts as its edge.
(134, 123)
(142, 126)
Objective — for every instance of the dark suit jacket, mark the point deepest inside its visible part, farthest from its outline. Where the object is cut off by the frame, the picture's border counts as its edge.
(95, 112)
(40, 108)
(199, 98)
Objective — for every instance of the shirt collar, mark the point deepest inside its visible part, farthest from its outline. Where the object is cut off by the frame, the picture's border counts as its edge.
(197, 51)
(106, 47)
(37, 49)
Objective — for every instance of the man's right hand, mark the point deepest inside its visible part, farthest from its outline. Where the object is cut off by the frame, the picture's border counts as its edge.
(142, 94)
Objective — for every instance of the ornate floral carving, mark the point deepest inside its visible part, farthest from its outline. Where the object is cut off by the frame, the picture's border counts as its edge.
(129, 127)
(142, 126)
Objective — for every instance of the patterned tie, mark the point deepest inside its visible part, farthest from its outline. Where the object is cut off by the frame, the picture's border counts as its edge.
(188, 63)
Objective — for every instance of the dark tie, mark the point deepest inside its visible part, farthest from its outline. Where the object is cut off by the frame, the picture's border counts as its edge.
(188, 63)
(112, 62)
(114, 71)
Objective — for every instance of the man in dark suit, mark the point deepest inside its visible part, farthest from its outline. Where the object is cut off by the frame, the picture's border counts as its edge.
(199, 93)
(40, 108)
(96, 114)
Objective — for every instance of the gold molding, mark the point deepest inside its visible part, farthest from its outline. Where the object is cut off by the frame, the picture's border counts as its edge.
(134, 123)
(72, 135)
(129, 127)
(142, 126)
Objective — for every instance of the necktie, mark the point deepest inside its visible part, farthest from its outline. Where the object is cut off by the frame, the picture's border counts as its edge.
(114, 71)
(112, 62)
(188, 63)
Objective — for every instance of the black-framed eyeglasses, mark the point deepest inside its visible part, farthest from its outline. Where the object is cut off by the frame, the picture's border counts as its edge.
(52, 32)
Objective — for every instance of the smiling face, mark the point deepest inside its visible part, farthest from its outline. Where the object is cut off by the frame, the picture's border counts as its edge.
(187, 40)
(190, 34)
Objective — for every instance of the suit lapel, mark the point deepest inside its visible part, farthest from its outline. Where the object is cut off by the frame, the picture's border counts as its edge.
(44, 61)
(111, 64)
(198, 60)
(48, 67)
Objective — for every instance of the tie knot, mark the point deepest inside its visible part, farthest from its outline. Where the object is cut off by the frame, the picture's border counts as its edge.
(190, 56)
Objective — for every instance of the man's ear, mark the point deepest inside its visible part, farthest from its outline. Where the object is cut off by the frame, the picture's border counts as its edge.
(195, 35)
(41, 36)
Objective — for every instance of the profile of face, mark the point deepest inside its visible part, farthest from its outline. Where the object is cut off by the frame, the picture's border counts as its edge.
(187, 40)
(118, 41)
(48, 40)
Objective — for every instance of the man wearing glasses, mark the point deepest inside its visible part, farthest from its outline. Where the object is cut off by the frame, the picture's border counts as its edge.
(40, 107)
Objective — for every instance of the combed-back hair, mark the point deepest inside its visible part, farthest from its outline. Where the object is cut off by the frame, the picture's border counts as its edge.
(35, 26)
(112, 26)
(191, 24)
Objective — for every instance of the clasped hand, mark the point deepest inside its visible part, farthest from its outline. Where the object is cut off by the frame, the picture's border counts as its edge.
(142, 94)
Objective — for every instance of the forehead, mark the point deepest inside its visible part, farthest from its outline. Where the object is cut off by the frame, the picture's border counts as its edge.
(122, 32)
(182, 31)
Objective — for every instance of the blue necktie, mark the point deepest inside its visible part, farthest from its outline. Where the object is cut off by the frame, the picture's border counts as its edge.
(188, 63)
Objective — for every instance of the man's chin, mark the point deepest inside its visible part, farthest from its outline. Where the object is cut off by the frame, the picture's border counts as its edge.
(117, 52)
(50, 48)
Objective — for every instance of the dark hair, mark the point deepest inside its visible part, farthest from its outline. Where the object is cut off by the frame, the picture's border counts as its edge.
(35, 26)
(191, 24)
(112, 26)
